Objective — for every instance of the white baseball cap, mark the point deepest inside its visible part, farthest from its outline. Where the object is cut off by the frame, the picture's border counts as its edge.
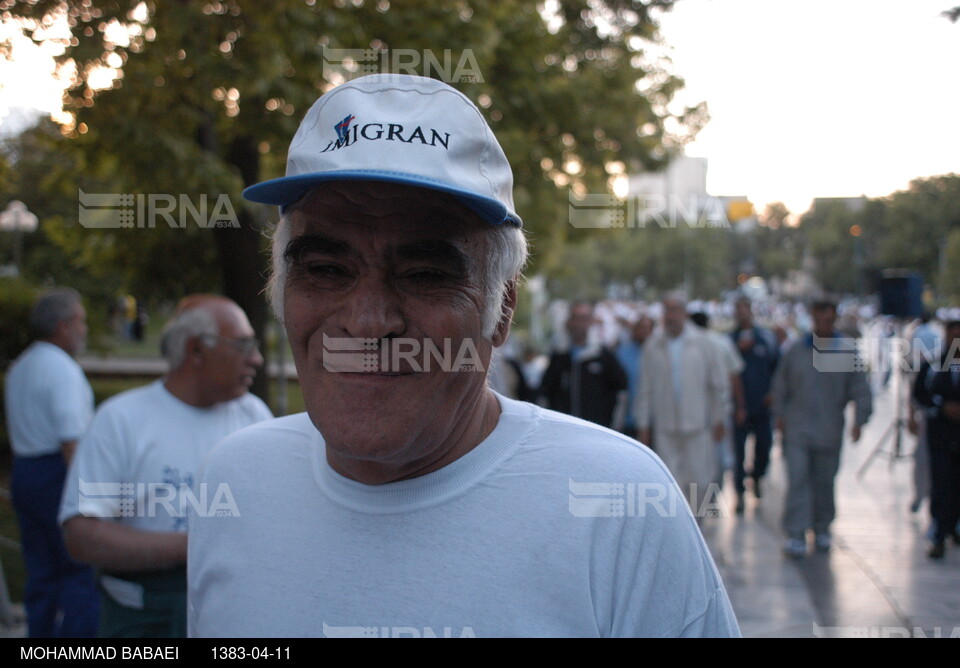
(401, 129)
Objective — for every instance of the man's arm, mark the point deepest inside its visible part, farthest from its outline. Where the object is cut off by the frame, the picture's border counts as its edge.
(779, 388)
(117, 547)
(617, 381)
(548, 383)
(641, 404)
(718, 387)
(67, 448)
(863, 398)
(739, 400)
(616, 375)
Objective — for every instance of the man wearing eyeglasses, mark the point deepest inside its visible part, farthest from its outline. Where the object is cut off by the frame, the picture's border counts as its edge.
(133, 481)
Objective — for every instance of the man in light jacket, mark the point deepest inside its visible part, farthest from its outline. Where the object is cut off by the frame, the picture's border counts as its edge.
(684, 393)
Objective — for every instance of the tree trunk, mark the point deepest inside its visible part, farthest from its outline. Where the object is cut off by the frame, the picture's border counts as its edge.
(243, 265)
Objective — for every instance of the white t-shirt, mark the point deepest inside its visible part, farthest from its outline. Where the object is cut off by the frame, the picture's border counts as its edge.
(140, 459)
(48, 400)
(552, 526)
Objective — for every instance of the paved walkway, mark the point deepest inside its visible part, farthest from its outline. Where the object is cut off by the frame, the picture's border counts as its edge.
(877, 580)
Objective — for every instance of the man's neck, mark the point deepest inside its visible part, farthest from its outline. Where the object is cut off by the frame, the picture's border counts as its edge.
(59, 343)
(186, 390)
(469, 432)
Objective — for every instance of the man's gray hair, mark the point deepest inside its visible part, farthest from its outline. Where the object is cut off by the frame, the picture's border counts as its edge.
(675, 296)
(52, 308)
(506, 256)
(193, 322)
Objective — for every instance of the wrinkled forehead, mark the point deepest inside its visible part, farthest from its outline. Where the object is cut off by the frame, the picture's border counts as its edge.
(388, 208)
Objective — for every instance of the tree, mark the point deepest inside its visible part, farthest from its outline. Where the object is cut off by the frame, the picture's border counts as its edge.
(917, 226)
(830, 230)
(208, 94)
(779, 246)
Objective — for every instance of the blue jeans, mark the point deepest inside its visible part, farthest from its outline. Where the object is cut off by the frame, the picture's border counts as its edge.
(61, 597)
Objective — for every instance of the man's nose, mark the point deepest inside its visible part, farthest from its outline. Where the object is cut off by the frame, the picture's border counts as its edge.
(255, 357)
(373, 310)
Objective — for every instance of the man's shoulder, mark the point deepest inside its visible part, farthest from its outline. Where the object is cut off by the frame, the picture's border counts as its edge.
(701, 336)
(295, 425)
(585, 447)
(134, 399)
(801, 346)
(253, 405)
(39, 356)
(268, 438)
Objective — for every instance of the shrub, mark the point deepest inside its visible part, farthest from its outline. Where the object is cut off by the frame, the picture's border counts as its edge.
(16, 300)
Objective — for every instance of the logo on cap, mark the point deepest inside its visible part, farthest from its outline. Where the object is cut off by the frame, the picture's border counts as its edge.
(348, 134)
(343, 127)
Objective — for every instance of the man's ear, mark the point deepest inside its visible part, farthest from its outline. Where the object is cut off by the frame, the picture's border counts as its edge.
(195, 348)
(502, 331)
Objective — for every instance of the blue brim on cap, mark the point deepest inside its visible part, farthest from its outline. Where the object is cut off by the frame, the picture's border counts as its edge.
(286, 190)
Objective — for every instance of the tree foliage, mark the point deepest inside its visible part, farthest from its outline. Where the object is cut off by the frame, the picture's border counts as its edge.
(909, 229)
(208, 95)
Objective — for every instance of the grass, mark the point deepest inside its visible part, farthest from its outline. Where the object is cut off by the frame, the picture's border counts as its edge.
(13, 567)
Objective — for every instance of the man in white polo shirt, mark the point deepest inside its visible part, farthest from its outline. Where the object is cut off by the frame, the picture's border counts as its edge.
(49, 404)
(133, 482)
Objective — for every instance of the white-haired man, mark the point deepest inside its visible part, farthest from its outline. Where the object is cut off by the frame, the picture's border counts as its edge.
(685, 394)
(410, 499)
(49, 404)
(134, 478)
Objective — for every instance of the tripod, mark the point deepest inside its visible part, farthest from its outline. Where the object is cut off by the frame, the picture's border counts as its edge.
(896, 429)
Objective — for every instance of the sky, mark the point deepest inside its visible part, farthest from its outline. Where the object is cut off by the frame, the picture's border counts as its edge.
(27, 82)
(808, 98)
(819, 99)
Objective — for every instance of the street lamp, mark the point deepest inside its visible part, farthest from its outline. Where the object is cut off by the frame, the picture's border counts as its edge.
(17, 218)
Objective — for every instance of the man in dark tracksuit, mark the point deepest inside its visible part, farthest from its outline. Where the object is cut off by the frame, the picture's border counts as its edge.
(586, 381)
(760, 354)
(937, 389)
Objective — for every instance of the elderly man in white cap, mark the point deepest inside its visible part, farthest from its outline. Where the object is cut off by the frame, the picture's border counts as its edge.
(410, 499)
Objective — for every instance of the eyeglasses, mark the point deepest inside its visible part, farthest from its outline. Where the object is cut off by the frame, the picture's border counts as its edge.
(243, 346)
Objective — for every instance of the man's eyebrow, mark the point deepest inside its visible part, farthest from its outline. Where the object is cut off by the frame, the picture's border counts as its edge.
(315, 243)
(436, 250)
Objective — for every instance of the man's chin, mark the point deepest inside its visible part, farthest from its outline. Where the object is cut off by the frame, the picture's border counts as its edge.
(366, 426)
(361, 448)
